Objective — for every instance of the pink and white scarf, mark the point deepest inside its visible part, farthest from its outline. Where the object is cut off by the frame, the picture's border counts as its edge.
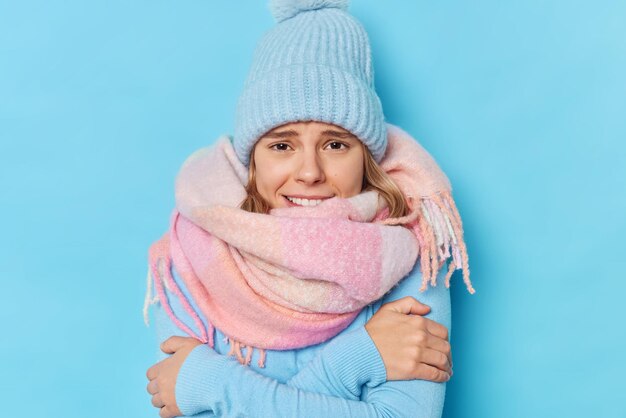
(298, 276)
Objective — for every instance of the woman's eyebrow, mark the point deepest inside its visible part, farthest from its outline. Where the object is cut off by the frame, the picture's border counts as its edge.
(292, 133)
(344, 135)
(281, 134)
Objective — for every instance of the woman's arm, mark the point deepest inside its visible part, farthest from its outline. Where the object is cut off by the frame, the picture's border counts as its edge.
(230, 389)
(210, 384)
(345, 379)
(337, 360)
(350, 362)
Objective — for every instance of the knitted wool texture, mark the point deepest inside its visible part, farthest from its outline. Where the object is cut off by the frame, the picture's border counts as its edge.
(298, 276)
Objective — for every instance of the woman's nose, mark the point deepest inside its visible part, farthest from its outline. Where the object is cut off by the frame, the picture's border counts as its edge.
(310, 170)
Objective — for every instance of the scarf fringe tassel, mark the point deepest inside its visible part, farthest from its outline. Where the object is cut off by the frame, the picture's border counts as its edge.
(162, 272)
(439, 230)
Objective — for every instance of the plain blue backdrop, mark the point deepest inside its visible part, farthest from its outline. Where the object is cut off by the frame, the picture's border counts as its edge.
(522, 103)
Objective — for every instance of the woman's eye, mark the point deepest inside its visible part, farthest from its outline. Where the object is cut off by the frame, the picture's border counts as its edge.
(336, 145)
(280, 147)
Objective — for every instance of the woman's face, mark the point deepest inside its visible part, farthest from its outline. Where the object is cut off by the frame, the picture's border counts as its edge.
(303, 163)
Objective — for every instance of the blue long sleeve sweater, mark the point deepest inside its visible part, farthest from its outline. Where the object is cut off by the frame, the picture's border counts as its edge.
(343, 377)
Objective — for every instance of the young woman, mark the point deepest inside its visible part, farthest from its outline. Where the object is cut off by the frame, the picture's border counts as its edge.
(283, 246)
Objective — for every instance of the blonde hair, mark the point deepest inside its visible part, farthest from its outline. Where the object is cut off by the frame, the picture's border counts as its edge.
(374, 178)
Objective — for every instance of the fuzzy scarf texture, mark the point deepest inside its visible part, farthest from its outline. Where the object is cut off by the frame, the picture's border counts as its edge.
(298, 276)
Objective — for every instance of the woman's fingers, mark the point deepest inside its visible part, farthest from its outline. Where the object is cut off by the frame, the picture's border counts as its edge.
(435, 358)
(411, 346)
(434, 335)
(427, 372)
(429, 325)
(435, 328)
(175, 343)
(407, 305)
(152, 387)
(157, 402)
(441, 345)
(165, 412)
(153, 372)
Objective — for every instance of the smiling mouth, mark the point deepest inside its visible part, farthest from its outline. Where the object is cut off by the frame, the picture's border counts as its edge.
(304, 202)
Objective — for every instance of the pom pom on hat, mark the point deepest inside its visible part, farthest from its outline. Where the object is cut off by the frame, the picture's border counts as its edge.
(286, 9)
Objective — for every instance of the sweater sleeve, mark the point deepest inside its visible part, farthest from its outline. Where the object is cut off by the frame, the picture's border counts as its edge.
(339, 370)
(345, 379)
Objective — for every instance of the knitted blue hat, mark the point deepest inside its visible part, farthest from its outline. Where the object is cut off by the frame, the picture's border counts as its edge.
(314, 65)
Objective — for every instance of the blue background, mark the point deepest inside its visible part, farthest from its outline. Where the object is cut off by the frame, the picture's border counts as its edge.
(523, 104)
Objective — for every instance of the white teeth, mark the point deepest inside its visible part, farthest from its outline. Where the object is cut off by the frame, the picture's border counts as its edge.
(304, 202)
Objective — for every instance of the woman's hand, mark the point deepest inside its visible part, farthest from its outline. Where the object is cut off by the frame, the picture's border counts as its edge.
(411, 346)
(163, 374)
